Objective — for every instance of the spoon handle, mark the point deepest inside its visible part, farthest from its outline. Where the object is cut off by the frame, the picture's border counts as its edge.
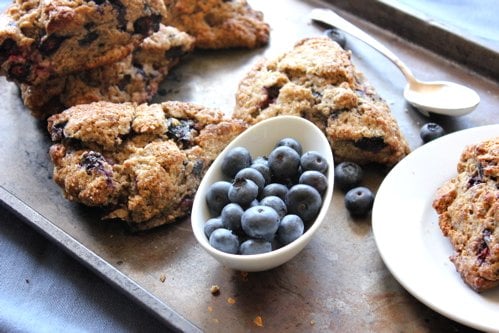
(331, 18)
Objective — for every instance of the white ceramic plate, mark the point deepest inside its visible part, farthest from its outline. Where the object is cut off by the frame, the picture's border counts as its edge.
(408, 237)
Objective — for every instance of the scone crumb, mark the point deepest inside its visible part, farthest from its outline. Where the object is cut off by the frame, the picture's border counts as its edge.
(312, 322)
(231, 300)
(215, 290)
(258, 321)
(162, 278)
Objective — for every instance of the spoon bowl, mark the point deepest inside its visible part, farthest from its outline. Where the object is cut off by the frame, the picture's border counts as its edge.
(442, 97)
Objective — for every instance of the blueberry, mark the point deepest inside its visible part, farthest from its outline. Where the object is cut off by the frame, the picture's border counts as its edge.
(313, 160)
(347, 175)
(243, 191)
(291, 143)
(304, 201)
(284, 162)
(211, 225)
(254, 175)
(315, 179)
(290, 229)
(359, 201)
(260, 222)
(236, 159)
(255, 246)
(276, 189)
(336, 35)
(264, 169)
(231, 217)
(224, 240)
(276, 203)
(217, 197)
(431, 131)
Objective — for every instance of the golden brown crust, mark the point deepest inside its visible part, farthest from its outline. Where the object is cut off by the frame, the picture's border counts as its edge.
(142, 163)
(133, 79)
(42, 39)
(219, 24)
(317, 80)
(468, 209)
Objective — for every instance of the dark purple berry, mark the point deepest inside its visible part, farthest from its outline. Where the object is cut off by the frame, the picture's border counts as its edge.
(304, 201)
(236, 159)
(217, 197)
(211, 225)
(254, 175)
(336, 35)
(231, 217)
(224, 240)
(315, 179)
(260, 222)
(243, 191)
(284, 162)
(290, 229)
(347, 175)
(431, 131)
(255, 246)
(291, 143)
(279, 190)
(313, 160)
(276, 203)
(359, 201)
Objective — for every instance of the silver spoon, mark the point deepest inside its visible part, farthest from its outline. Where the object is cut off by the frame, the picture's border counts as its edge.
(440, 97)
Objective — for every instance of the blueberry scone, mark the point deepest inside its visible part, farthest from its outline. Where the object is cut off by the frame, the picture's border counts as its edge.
(468, 214)
(133, 79)
(218, 24)
(41, 39)
(141, 163)
(317, 80)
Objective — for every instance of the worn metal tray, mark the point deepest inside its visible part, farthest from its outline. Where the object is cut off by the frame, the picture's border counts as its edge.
(338, 282)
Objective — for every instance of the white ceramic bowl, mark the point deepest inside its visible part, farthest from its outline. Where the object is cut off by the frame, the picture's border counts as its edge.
(260, 139)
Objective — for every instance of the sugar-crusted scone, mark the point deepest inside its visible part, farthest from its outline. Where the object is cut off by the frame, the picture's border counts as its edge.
(133, 79)
(317, 80)
(141, 163)
(218, 24)
(41, 39)
(468, 214)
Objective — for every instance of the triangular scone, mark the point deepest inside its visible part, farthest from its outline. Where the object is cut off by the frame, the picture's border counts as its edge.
(468, 214)
(141, 163)
(219, 24)
(133, 79)
(317, 80)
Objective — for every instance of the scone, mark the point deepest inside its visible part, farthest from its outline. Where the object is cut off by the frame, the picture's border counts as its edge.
(218, 24)
(42, 39)
(141, 163)
(133, 79)
(468, 214)
(317, 80)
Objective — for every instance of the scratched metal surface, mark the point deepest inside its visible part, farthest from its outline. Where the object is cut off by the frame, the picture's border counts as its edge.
(338, 282)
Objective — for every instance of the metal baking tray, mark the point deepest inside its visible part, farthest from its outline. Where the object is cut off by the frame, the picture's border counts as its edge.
(338, 282)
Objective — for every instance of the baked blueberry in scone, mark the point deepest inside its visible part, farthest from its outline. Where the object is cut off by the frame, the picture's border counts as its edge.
(141, 163)
(218, 24)
(468, 214)
(133, 79)
(317, 80)
(42, 39)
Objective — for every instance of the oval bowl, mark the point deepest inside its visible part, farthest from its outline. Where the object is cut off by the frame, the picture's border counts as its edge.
(260, 139)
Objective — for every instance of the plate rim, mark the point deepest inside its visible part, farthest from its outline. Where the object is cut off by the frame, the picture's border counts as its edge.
(475, 134)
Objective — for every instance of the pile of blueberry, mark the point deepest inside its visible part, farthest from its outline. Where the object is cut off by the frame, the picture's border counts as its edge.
(266, 202)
